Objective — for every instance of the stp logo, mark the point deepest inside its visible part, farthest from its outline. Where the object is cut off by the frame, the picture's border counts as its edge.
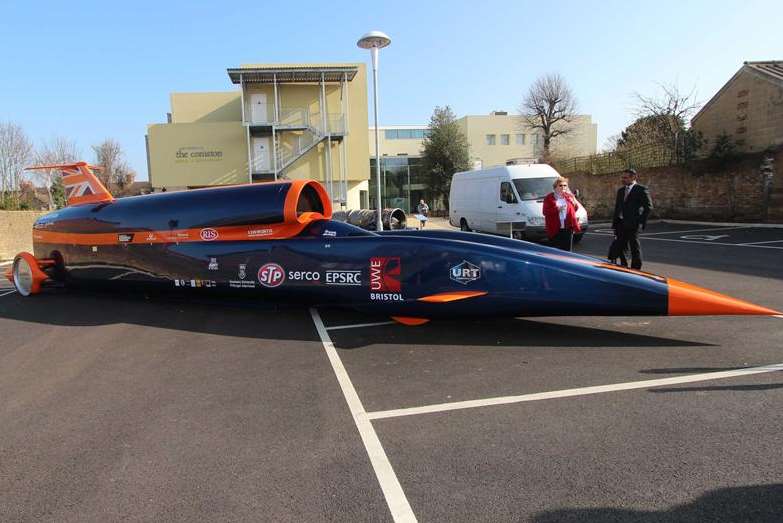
(385, 274)
(209, 234)
(271, 275)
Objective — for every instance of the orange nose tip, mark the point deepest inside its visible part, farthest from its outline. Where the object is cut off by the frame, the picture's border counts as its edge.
(689, 300)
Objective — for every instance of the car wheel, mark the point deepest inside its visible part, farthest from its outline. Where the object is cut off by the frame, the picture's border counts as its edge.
(463, 225)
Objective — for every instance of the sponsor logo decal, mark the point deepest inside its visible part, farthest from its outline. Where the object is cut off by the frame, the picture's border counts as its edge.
(213, 264)
(385, 274)
(150, 237)
(195, 283)
(208, 235)
(255, 233)
(125, 238)
(242, 284)
(242, 274)
(386, 296)
(304, 276)
(343, 278)
(465, 272)
(332, 234)
(271, 275)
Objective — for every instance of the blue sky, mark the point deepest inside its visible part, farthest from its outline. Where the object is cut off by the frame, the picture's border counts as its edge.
(91, 70)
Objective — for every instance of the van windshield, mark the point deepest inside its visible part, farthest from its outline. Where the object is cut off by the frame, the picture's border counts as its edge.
(533, 188)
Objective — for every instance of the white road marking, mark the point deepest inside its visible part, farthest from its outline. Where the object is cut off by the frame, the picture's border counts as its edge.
(3, 264)
(700, 242)
(645, 234)
(7, 292)
(390, 485)
(583, 391)
(757, 243)
(360, 325)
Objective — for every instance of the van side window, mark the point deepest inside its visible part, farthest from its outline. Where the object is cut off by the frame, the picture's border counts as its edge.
(507, 193)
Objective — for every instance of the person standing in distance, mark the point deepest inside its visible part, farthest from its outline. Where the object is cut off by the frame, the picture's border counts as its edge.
(423, 210)
(631, 209)
(559, 211)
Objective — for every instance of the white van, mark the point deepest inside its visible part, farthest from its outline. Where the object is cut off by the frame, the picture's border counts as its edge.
(505, 200)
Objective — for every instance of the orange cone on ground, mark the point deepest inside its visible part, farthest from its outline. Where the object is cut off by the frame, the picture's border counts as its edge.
(689, 300)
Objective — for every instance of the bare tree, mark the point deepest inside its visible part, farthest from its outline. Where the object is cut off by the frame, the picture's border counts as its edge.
(549, 106)
(666, 115)
(116, 173)
(15, 152)
(58, 150)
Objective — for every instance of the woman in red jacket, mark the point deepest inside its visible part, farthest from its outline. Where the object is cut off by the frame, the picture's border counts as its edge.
(560, 215)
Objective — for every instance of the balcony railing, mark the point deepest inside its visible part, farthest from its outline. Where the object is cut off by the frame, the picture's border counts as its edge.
(300, 118)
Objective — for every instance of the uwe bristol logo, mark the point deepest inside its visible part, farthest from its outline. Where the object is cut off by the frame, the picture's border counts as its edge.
(465, 272)
(271, 275)
(385, 274)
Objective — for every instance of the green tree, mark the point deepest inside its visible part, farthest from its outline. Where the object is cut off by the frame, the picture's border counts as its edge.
(445, 152)
(58, 193)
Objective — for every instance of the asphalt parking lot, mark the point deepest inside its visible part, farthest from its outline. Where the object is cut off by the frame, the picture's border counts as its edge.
(136, 408)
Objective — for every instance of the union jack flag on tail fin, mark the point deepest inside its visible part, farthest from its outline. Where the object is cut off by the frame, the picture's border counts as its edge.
(81, 184)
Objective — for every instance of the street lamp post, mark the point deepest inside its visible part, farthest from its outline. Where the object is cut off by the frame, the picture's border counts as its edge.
(373, 41)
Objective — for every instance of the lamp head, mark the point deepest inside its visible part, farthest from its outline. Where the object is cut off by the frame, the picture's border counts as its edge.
(373, 39)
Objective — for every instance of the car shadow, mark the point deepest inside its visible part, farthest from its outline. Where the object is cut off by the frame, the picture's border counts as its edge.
(503, 332)
(253, 318)
(752, 503)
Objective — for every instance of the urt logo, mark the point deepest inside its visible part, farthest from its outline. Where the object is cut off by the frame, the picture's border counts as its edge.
(465, 272)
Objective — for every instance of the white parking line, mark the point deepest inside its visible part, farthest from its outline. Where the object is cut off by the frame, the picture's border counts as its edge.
(758, 243)
(390, 485)
(583, 391)
(646, 234)
(360, 325)
(645, 238)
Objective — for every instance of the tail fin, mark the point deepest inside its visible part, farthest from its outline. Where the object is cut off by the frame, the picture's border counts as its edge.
(81, 184)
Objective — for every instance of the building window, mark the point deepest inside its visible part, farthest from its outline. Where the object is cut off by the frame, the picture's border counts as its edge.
(490, 139)
(535, 139)
(520, 139)
(504, 139)
(406, 134)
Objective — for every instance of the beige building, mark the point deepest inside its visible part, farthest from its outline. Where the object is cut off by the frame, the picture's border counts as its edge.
(748, 109)
(291, 121)
(493, 139)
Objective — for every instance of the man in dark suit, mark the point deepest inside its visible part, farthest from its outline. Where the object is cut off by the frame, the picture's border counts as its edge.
(631, 209)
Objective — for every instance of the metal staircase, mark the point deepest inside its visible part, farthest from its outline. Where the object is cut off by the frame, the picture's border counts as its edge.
(302, 134)
(306, 140)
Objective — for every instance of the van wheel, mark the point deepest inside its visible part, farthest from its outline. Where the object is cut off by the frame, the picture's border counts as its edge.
(463, 225)
(578, 237)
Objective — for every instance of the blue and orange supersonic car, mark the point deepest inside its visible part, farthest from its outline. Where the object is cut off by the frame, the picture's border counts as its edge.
(277, 241)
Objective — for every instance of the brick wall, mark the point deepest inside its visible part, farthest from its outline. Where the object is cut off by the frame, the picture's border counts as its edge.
(731, 191)
(16, 232)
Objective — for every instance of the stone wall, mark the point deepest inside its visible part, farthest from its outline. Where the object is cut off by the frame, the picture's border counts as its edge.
(712, 191)
(16, 232)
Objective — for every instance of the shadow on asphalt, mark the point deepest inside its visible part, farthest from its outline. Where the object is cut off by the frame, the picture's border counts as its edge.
(255, 319)
(503, 333)
(754, 503)
(718, 388)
